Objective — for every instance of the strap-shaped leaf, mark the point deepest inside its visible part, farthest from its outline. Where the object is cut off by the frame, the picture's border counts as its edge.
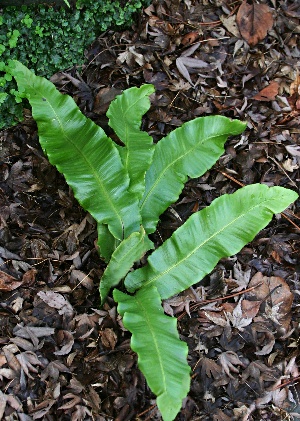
(125, 117)
(161, 354)
(129, 251)
(220, 230)
(106, 242)
(189, 150)
(81, 150)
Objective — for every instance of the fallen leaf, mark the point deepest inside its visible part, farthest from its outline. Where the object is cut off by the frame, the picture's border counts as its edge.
(42, 409)
(228, 360)
(220, 416)
(209, 368)
(58, 301)
(269, 345)
(231, 25)
(237, 317)
(65, 339)
(108, 338)
(8, 282)
(268, 93)
(290, 165)
(190, 38)
(275, 292)
(27, 331)
(254, 21)
(103, 98)
(71, 403)
(184, 64)
(27, 361)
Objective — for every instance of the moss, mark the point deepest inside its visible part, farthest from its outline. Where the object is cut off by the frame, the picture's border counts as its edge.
(48, 39)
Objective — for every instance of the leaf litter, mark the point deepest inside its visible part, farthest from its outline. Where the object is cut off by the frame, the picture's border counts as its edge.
(62, 357)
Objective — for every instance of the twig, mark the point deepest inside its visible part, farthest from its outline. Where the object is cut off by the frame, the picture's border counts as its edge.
(147, 410)
(292, 381)
(293, 223)
(201, 303)
(283, 170)
(231, 178)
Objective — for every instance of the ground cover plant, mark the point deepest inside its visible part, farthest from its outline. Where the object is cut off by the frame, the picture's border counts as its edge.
(50, 39)
(126, 186)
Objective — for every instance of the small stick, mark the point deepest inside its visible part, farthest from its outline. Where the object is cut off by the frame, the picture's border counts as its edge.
(147, 410)
(218, 299)
(287, 383)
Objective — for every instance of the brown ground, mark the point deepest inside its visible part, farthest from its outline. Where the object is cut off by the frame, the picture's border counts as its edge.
(62, 357)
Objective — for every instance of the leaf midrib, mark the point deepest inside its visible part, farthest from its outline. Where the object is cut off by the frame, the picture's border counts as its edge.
(152, 332)
(161, 274)
(153, 187)
(89, 164)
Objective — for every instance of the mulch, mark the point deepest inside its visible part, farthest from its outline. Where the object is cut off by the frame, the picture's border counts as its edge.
(62, 356)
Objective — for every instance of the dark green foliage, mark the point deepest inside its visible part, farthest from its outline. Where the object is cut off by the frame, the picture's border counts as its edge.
(48, 39)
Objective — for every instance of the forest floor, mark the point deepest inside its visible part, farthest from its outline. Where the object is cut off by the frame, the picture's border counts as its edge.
(64, 358)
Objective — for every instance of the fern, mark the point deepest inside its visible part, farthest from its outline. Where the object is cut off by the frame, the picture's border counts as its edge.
(126, 188)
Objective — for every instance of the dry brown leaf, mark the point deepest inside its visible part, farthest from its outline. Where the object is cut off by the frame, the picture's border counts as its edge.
(228, 361)
(27, 361)
(254, 21)
(8, 282)
(294, 99)
(65, 339)
(70, 404)
(108, 338)
(220, 416)
(250, 308)
(209, 368)
(29, 277)
(231, 25)
(268, 93)
(267, 349)
(58, 301)
(42, 409)
(277, 295)
(103, 98)
(190, 38)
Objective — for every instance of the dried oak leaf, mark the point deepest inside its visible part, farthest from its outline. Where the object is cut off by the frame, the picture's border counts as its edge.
(268, 93)
(8, 282)
(254, 21)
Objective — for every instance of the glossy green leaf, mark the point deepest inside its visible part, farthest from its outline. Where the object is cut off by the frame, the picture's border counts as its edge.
(81, 150)
(161, 354)
(220, 230)
(125, 117)
(188, 151)
(106, 242)
(129, 251)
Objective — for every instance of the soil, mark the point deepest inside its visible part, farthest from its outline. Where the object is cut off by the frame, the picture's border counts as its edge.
(62, 356)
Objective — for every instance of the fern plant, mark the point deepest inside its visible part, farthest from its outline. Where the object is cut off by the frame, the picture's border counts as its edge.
(126, 188)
